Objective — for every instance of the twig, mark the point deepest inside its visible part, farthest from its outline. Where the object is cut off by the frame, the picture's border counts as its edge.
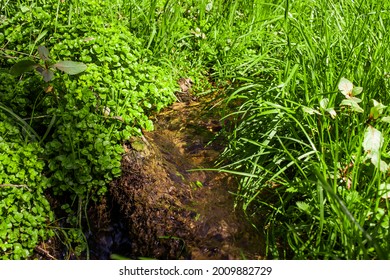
(44, 252)
(22, 53)
(15, 186)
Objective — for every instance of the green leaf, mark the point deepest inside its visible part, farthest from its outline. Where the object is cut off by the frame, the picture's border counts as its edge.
(22, 66)
(351, 103)
(26, 197)
(9, 200)
(47, 75)
(385, 119)
(24, 9)
(18, 216)
(149, 125)
(198, 184)
(303, 206)
(355, 99)
(384, 190)
(43, 53)
(17, 247)
(376, 110)
(324, 103)
(116, 171)
(357, 91)
(25, 253)
(3, 233)
(70, 67)
(310, 111)
(40, 36)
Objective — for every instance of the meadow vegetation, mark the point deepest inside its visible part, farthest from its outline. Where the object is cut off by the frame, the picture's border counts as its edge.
(304, 93)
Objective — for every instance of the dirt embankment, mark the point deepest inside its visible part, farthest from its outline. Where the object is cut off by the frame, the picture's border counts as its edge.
(174, 213)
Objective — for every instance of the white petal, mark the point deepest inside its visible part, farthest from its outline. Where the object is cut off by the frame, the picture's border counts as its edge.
(373, 141)
(346, 87)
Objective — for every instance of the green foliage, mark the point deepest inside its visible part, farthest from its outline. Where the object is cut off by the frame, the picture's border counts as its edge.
(313, 156)
(117, 78)
(26, 212)
(106, 104)
(16, 96)
(80, 121)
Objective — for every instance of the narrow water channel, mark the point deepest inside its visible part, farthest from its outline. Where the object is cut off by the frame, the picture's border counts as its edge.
(164, 206)
(171, 212)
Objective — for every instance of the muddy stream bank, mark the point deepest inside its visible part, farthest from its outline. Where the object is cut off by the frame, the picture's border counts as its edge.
(160, 209)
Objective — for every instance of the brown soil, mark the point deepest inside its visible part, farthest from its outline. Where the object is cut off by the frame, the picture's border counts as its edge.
(172, 212)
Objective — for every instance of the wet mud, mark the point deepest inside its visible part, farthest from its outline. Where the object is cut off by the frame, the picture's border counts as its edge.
(172, 210)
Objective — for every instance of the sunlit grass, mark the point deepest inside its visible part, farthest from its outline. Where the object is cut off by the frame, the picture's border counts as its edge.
(313, 183)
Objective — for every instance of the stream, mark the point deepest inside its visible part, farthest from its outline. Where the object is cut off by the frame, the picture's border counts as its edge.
(163, 206)
(172, 212)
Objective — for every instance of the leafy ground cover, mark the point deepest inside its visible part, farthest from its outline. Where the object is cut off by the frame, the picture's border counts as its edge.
(77, 122)
(305, 95)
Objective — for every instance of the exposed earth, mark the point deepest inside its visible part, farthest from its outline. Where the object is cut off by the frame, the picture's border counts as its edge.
(172, 212)
(163, 206)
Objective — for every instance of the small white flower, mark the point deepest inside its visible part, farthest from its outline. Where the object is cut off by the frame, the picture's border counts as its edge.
(349, 90)
(346, 87)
